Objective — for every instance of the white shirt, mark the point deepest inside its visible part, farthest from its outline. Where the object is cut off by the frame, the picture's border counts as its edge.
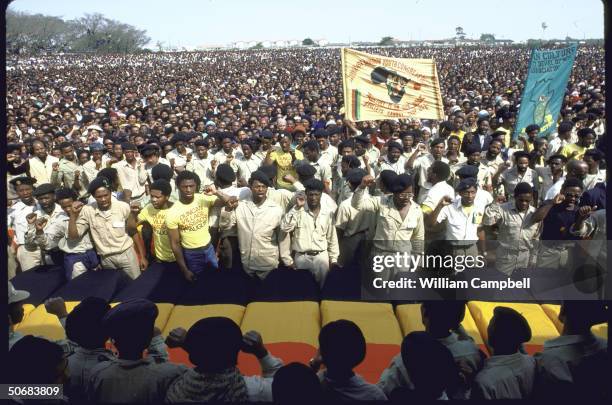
(461, 226)
(17, 219)
(435, 194)
(179, 160)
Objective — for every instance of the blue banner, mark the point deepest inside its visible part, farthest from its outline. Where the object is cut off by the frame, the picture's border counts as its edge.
(544, 90)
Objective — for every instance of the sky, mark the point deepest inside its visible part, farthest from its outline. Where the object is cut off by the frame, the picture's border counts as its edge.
(193, 23)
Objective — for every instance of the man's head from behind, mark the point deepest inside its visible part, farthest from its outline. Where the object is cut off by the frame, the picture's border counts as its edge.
(84, 323)
(296, 383)
(213, 344)
(429, 363)
(342, 346)
(130, 325)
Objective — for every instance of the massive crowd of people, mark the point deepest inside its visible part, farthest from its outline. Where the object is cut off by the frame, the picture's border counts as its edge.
(243, 161)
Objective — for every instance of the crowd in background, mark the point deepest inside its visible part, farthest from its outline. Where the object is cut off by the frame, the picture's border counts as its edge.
(244, 161)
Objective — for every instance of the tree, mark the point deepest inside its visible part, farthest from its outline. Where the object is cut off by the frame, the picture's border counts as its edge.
(27, 33)
(487, 38)
(459, 32)
(386, 41)
(258, 46)
(308, 42)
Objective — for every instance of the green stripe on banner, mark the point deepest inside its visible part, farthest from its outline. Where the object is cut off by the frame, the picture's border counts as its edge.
(356, 104)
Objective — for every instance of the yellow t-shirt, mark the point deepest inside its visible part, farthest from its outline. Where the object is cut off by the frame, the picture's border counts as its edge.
(569, 149)
(157, 219)
(284, 163)
(191, 220)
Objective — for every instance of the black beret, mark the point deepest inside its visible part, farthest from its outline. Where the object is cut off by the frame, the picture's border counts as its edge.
(395, 145)
(261, 177)
(269, 170)
(305, 170)
(321, 133)
(472, 148)
(466, 183)
(225, 173)
(436, 141)
(387, 177)
(401, 183)
(149, 150)
(354, 176)
(314, 185)
(84, 317)
(467, 171)
(97, 183)
(266, 134)
(96, 147)
(18, 181)
(43, 189)
(363, 139)
(509, 322)
(123, 317)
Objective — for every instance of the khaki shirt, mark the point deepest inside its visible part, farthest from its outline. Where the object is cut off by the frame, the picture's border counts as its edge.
(132, 178)
(259, 236)
(506, 377)
(123, 381)
(516, 229)
(562, 355)
(391, 229)
(107, 228)
(91, 171)
(353, 221)
(310, 233)
(510, 178)
(64, 177)
(324, 172)
(246, 167)
(55, 234)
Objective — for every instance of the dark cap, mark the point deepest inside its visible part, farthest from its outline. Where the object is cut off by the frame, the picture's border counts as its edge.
(467, 171)
(269, 170)
(97, 183)
(363, 139)
(129, 313)
(395, 145)
(321, 133)
(225, 173)
(387, 177)
(401, 183)
(508, 322)
(472, 148)
(85, 320)
(43, 189)
(18, 181)
(266, 134)
(466, 183)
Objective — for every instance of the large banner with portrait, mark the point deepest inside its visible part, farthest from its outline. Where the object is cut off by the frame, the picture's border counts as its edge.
(378, 88)
(544, 90)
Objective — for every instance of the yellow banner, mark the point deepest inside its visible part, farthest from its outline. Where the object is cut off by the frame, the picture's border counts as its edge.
(378, 88)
